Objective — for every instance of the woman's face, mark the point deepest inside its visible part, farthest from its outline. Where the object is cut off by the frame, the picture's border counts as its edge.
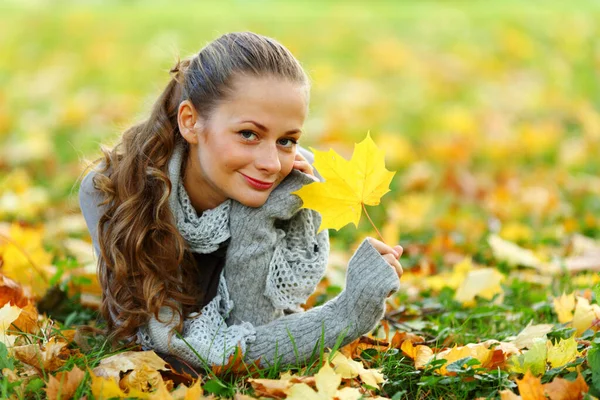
(249, 137)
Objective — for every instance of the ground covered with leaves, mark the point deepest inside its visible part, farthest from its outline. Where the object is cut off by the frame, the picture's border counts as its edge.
(488, 113)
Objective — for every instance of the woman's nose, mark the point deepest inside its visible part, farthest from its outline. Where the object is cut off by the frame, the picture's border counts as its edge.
(268, 160)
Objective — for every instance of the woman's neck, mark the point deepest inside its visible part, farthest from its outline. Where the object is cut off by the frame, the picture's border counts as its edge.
(202, 194)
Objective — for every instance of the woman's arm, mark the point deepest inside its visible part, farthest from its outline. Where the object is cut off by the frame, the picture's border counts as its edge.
(289, 339)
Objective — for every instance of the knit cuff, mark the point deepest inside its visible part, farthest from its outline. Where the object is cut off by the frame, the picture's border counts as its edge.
(369, 281)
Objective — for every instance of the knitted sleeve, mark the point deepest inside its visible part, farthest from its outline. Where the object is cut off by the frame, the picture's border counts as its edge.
(289, 339)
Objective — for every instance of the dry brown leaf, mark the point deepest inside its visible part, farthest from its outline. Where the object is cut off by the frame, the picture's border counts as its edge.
(113, 366)
(356, 347)
(236, 364)
(274, 388)
(64, 384)
(562, 389)
(400, 337)
(530, 387)
(48, 357)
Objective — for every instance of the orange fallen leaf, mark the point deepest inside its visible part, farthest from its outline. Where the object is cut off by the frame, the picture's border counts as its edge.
(12, 292)
(562, 389)
(28, 320)
(64, 384)
(530, 387)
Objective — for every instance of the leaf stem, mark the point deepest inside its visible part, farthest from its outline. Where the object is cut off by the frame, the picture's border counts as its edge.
(371, 221)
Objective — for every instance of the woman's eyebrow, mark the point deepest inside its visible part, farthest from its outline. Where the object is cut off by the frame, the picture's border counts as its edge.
(264, 128)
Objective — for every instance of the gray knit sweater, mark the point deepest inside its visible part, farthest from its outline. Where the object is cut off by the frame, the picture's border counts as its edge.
(273, 263)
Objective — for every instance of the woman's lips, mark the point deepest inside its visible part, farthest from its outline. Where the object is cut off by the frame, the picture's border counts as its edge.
(258, 184)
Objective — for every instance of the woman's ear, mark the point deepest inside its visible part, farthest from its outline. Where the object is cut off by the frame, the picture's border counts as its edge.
(190, 123)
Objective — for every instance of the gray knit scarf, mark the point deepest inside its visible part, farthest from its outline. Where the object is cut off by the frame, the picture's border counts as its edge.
(203, 233)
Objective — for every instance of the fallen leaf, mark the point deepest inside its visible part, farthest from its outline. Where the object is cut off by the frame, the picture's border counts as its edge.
(28, 320)
(113, 366)
(530, 387)
(562, 389)
(64, 384)
(513, 254)
(348, 184)
(48, 356)
(564, 306)
(532, 361)
(349, 369)
(526, 337)
(107, 388)
(12, 292)
(585, 315)
(327, 382)
(562, 352)
(143, 378)
(420, 353)
(484, 283)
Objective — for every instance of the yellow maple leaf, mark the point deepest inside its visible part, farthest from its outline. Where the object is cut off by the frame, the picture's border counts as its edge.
(562, 353)
(348, 186)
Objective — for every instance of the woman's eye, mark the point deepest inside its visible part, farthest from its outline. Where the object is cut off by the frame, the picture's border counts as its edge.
(247, 134)
(290, 142)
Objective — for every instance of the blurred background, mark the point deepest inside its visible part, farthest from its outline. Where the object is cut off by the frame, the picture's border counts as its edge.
(488, 111)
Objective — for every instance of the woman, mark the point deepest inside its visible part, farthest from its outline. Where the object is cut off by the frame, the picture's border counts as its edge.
(197, 230)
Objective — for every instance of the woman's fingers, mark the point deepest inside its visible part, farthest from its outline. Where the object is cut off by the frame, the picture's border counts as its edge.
(394, 263)
(399, 249)
(383, 248)
(301, 164)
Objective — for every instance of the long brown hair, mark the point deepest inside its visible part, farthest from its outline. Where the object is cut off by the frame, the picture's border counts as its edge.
(145, 263)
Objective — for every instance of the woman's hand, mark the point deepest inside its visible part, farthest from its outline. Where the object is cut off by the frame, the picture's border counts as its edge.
(302, 164)
(391, 255)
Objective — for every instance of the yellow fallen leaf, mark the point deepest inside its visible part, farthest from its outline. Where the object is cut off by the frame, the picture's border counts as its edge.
(585, 315)
(349, 369)
(420, 353)
(107, 388)
(483, 282)
(25, 259)
(563, 306)
(327, 382)
(513, 254)
(348, 184)
(8, 314)
(562, 353)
